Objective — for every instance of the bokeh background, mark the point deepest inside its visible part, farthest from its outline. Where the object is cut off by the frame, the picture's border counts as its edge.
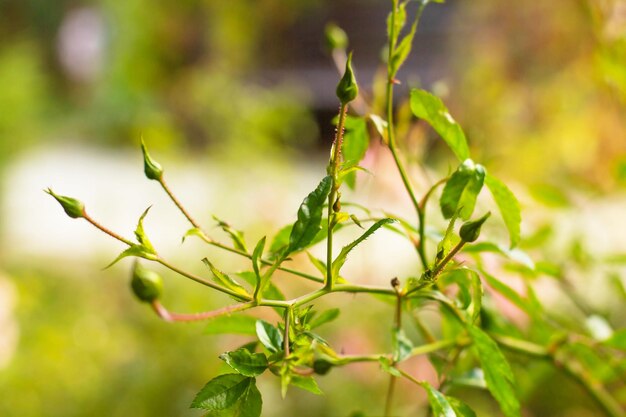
(235, 98)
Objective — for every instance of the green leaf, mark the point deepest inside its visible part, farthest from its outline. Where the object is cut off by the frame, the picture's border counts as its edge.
(450, 239)
(355, 143)
(280, 241)
(402, 345)
(474, 378)
(318, 264)
(386, 365)
(381, 126)
(222, 392)
(236, 324)
(470, 289)
(309, 217)
(224, 280)
(438, 402)
(141, 235)
(256, 259)
(510, 294)
(618, 340)
(508, 206)
(194, 231)
(306, 383)
(341, 258)
(325, 317)
(516, 255)
(235, 235)
(135, 250)
(271, 291)
(245, 362)
(462, 189)
(431, 109)
(269, 335)
(398, 22)
(403, 49)
(498, 374)
(248, 404)
(460, 408)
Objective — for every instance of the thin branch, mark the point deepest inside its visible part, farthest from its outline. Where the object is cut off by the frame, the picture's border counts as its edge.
(185, 317)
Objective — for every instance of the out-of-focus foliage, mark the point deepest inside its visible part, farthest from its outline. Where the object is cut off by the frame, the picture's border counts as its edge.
(178, 73)
(542, 87)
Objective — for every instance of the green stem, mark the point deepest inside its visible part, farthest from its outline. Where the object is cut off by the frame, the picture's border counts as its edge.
(335, 159)
(433, 347)
(391, 132)
(410, 377)
(210, 241)
(421, 214)
(288, 313)
(597, 391)
(572, 368)
(441, 265)
(239, 252)
(348, 288)
(397, 325)
(105, 230)
(185, 317)
(266, 277)
(389, 397)
(178, 204)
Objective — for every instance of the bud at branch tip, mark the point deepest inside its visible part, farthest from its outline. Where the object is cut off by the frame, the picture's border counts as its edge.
(347, 89)
(72, 207)
(470, 231)
(151, 168)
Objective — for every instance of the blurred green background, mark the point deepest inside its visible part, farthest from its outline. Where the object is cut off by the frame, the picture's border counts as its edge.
(236, 98)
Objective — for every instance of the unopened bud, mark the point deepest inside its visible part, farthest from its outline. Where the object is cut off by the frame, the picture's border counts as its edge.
(72, 207)
(395, 282)
(347, 89)
(152, 169)
(337, 204)
(322, 366)
(147, 285)
(470, 231)
(335, 37)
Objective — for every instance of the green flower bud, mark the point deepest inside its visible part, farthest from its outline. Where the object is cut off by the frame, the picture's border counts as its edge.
(347, 89)
(72, 207)
(322, 366)
(335, 37)
(337, 204)
(153, 169)
(471, 230)
(147, 285)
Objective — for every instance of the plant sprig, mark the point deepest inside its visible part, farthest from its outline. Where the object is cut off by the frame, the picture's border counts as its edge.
(292, 348)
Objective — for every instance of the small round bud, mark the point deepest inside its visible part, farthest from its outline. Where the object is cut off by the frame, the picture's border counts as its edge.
(347, 89)
(470, 231)
(322, 366)
(395, 282)
(151, 168)
(337, 204)
(72, 207)
(147, 285)
(335, 37)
